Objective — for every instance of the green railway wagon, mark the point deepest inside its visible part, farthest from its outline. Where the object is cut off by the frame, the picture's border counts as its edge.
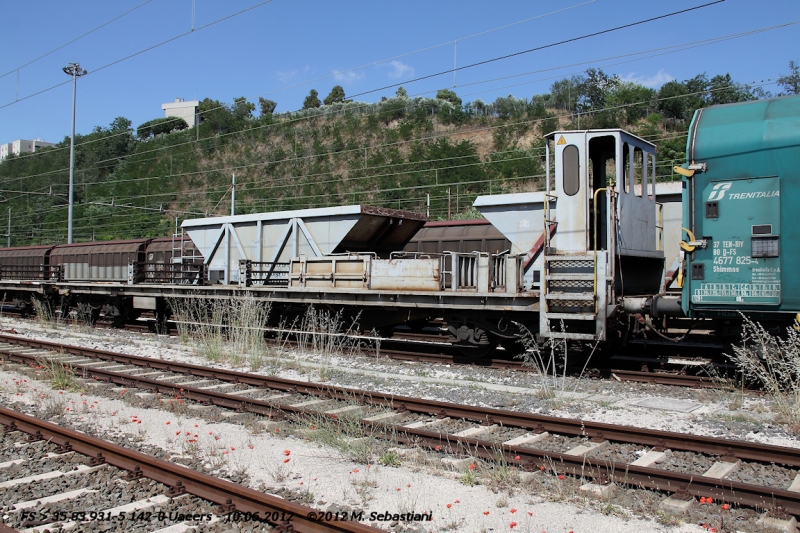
(741, 211)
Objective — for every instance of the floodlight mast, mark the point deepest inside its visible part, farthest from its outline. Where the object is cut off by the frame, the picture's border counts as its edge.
(74, 70)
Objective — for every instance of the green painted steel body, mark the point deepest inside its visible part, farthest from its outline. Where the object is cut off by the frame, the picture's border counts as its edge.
(745, 205)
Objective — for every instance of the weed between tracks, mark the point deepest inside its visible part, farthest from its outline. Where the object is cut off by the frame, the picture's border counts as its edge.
(773, 363)
(234, 331)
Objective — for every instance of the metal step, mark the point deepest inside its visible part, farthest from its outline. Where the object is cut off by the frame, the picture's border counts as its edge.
(569, 258)
(570, 296)
(570, 316)
(571, 336)
(570, 277)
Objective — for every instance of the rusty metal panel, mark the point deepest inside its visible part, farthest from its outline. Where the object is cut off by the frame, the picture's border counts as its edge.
(344, 272)
(406, 274)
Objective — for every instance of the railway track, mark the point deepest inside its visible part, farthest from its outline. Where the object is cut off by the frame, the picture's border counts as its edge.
(430, 348)
(49, 452)
(686, 466)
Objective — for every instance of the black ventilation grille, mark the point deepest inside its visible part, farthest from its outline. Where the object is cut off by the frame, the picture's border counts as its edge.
(763, 229)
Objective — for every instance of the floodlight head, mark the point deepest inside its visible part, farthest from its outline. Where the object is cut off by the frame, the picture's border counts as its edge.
(74, 69)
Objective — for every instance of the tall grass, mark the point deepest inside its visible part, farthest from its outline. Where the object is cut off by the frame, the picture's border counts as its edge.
(773, 363)
(233, 330)
(224, 330)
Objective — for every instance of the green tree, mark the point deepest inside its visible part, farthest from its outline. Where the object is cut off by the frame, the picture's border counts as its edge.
(242, 110)
(267, 106)
(595, 89)
(791, 81)
(449, 96)
(336, 96)
(564, 94)
(401, 93)
(672, 99)
(215, 115)
(634, 99)
(312, 100)
(151, 128)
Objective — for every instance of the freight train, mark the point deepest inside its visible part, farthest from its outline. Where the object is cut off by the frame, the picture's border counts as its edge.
(582, 260)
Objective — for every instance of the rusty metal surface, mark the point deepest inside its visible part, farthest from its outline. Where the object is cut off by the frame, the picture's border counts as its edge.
(406, 274)
(647, 437)
(178, 477)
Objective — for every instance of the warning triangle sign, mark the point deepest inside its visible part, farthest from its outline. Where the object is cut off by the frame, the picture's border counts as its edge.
(561, 140)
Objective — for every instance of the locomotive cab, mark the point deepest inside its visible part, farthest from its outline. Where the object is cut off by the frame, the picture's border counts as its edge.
(591, 237)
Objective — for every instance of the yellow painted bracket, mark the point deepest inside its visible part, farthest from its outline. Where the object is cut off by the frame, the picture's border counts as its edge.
(683, 171)
(685, 245)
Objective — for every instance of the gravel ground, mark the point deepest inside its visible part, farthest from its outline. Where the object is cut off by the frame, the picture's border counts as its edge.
(686, 462)
(328, 477)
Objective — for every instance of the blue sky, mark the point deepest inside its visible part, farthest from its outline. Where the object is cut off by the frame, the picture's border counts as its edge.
(284, 48)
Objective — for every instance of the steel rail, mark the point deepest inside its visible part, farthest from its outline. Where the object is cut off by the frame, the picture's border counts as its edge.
(229, 496)
(685, 486)
(729, 448)
(660, 378)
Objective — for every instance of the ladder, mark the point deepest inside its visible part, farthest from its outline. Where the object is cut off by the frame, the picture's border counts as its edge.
(569, 293)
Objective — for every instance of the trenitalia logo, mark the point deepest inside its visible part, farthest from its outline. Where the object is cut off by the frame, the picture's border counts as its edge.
(719, 190)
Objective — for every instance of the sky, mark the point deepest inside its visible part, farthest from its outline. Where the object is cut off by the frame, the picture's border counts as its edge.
(284, 48)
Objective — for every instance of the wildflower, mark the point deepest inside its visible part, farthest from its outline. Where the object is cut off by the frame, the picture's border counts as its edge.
(210, 432)
(516, 458)
(250, 446)
(287, 452)
(513, 511)
(168, 422)
(398, 488)
(449, 505)
(233, 449)
(472, 466)
(724, 506)
(195, 425)
(512, 525)
(188, 432)
(286, 460)
(355, 470)
(177, 432)
(225, 452)
(334, 416)
(486, 513)
(541, 469)
(61, 392)
(530, 513)
(438, 448)
(458, 501)
(301, 482)
(561, 477)
(409, 485)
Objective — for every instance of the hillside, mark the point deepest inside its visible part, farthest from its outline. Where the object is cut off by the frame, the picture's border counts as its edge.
(391, 153)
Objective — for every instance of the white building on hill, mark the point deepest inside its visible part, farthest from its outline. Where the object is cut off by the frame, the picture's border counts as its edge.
(182, 109)
(21, 146)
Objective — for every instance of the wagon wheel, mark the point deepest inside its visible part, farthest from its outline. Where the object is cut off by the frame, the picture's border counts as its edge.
(472, 341)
